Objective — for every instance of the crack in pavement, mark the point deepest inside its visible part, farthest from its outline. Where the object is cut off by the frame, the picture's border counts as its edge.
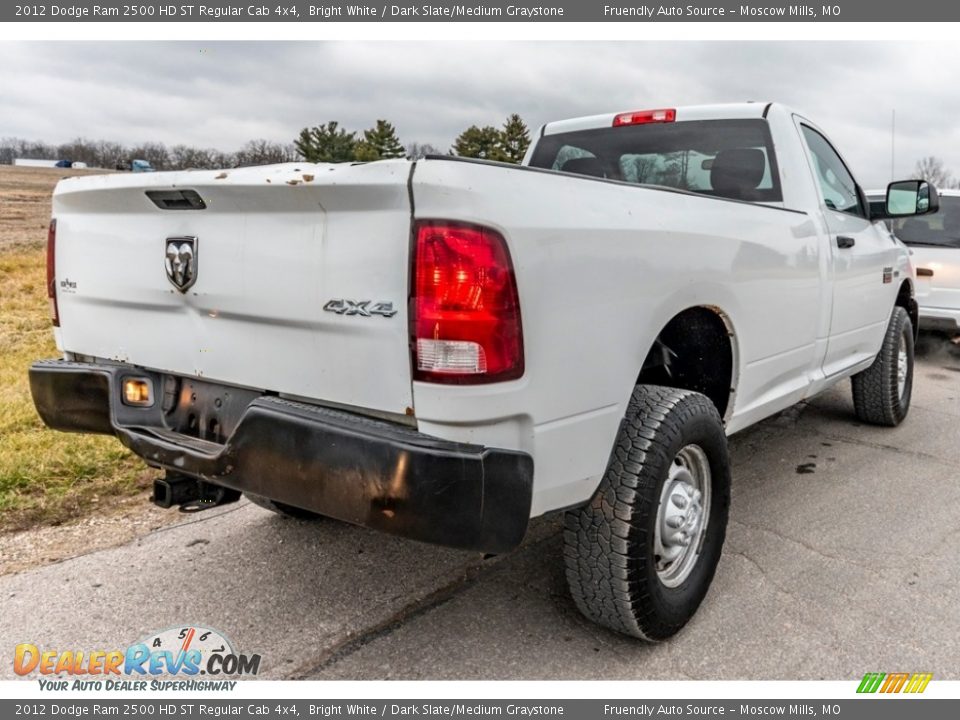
(763, 573)
(828, 627)
(468, 576)
(812, 433)
(353, 642)
(812, 548)
(212, 516)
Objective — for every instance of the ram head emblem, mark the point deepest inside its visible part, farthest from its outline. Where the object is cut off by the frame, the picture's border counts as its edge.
(180, 261)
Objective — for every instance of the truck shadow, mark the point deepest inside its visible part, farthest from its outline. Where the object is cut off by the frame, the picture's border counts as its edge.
(789, 583)
(939, 348)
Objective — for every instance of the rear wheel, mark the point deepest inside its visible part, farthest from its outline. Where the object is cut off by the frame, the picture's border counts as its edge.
(882, 392)
(641, 554)
(282, 508)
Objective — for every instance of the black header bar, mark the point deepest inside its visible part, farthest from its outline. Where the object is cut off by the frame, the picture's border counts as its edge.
(615, 11)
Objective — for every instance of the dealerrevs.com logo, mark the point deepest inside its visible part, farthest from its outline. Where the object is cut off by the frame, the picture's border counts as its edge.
(186, 652)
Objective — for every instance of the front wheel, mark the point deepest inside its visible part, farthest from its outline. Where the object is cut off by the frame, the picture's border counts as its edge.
(641, 554)
(881, 393)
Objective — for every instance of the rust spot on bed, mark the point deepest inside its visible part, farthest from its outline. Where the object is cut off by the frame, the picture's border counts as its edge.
(221, 176)
(308, 178)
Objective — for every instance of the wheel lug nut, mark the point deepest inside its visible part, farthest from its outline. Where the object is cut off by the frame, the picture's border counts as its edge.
(679, 500)
(675, 521)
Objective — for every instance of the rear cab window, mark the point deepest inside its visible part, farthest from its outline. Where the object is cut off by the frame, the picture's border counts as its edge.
(733, 159)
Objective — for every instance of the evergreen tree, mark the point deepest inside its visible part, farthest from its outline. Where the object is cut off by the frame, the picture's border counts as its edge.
(477, 142)
(514, 140)
(380, 142)
(365, 152)
(326, 143)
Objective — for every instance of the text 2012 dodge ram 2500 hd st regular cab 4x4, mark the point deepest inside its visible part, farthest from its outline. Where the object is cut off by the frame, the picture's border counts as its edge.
(443, 349)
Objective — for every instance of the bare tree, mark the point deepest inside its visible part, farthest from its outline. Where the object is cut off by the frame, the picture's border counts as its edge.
(79, 150)
(264, 152)
(110, 154)
(644, 169)
(219, 159)
(932, 169)
(12, 148)
(184, 157)
(418, 151)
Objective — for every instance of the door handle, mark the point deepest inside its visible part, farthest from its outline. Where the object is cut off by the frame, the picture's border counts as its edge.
(844, 242)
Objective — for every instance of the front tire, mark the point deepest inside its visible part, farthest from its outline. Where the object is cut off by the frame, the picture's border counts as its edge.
(641, 554)
(882, 392)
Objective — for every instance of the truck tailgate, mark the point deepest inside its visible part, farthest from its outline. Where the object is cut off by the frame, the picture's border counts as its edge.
(272, 248)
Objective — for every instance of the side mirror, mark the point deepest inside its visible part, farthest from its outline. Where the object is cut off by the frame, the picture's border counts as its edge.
(907, 198)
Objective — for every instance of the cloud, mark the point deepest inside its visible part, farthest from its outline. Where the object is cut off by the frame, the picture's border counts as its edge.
(224, 93)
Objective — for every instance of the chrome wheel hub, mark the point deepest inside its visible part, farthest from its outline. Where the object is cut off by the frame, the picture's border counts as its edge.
(682, 516)
(902, 367)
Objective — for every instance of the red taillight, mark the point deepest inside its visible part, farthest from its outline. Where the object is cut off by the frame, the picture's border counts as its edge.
(465, 312)
(52, 272)
(645, 117)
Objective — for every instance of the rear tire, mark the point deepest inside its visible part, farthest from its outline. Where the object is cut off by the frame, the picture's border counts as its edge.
(282, 508)
(668, 481)
(882, 392)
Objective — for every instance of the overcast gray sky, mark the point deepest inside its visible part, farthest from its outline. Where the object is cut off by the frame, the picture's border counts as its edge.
(222, 94)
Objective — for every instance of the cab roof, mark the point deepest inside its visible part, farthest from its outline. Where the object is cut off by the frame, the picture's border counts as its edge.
(725, 111)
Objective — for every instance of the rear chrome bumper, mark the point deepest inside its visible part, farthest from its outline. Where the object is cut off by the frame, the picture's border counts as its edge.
(357, 469)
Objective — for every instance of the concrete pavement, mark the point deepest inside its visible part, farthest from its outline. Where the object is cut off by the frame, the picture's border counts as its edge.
(842, 556)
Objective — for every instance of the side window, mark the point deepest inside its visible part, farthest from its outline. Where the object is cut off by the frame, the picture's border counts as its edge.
(837, 186)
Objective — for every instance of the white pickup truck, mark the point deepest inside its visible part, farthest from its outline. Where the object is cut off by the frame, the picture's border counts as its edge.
(443, 349)
(934, 243)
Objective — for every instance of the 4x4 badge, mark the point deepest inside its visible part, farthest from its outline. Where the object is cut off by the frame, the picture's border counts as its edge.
(363, 308)
(180, 260)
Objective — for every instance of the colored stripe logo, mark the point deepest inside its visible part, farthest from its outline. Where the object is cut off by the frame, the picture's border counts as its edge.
(894, 683)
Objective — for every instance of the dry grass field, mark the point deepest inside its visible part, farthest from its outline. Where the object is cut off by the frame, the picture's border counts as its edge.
(25, 205)
(46, 477)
